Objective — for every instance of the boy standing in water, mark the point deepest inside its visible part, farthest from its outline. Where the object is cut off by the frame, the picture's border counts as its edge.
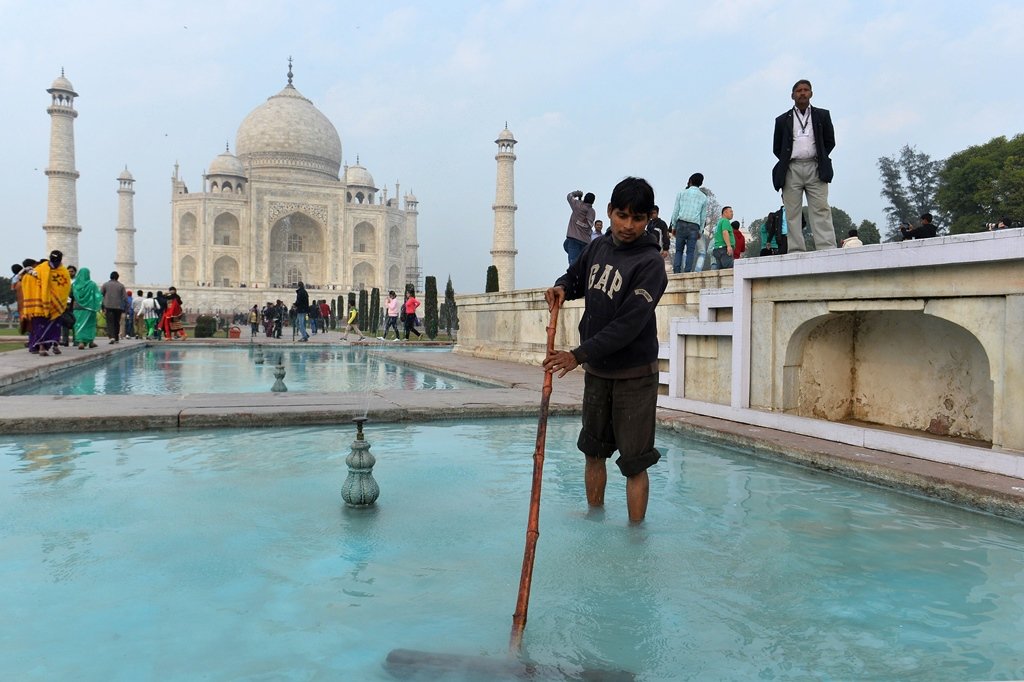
(621, 279)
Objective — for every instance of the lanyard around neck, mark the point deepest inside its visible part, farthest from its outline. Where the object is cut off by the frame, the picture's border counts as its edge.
(805, 121)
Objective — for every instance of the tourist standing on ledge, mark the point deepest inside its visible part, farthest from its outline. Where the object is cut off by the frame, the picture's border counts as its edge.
(114, 297)
(621, 279)
(659, 230)
(581, 223)
(301, 309)
(804, 138)
(741, 241)
(922, 231)
(722, 254)
(688, 218)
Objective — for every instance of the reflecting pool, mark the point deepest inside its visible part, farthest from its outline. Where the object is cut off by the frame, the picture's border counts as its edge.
(199, 369)
(228, 554)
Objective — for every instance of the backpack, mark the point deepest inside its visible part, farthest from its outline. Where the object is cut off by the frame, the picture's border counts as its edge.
(773, 233)
(773, 226)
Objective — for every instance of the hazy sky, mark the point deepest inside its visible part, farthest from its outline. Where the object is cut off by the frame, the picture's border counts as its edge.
(593, 91)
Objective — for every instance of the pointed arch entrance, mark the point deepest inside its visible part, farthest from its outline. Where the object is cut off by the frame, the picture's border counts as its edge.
(297, 245)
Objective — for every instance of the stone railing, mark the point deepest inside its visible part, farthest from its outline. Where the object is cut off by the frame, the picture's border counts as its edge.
(512, 325)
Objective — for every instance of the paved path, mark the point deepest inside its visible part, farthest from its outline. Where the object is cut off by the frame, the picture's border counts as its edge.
(518, 395)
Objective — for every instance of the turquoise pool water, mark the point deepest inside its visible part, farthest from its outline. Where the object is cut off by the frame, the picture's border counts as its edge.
(227, 554)
(169, 371)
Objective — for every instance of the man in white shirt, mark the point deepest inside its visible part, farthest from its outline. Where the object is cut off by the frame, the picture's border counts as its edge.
(804, 138)
(138, 320)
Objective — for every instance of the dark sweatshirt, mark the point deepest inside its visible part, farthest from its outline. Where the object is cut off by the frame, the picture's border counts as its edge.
(301, 300)
(621, 286)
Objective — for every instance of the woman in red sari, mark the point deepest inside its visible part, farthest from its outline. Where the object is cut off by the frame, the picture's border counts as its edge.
(170, 323)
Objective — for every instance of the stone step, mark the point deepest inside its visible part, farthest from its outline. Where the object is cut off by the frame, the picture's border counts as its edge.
(712, 300)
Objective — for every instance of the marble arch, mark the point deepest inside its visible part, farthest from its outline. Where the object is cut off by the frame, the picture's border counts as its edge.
(297, 244)
(868, 366)
(364, 238)
(187, 230)
(225, 231)
(187, 271)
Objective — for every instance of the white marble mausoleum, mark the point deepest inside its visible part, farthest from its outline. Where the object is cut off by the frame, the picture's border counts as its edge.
(282, 209)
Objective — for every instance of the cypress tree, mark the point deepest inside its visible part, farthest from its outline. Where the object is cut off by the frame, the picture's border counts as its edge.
(334, 313)
(492, 279)
(430, 307)
(451, 309)
(374, 311)
(364, 309)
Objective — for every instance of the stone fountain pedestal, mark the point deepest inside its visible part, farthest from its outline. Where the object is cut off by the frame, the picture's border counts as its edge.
(360, 489)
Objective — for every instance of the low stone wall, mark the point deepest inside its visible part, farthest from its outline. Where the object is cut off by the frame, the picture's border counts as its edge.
(512, 325)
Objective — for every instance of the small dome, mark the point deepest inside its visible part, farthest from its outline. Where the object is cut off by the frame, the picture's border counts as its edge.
(227, 163)
(125, 175)
(410, 198)
(358, 176)
(62, 83)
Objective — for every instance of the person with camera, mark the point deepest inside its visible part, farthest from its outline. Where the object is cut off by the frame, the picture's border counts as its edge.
(922, 231)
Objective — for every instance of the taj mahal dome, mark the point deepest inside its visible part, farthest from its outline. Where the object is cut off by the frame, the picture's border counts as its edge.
(282, 209)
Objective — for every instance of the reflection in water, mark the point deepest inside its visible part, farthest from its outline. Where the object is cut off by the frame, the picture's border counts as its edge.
(53, 458)
(745, 569)
(166, 371)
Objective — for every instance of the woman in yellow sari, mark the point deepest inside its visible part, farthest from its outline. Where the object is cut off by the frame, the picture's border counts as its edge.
(88, 301)
(45, 293)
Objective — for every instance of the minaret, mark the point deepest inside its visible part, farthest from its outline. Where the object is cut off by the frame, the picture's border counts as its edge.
(503, 249)
(61, 224)
(412, 245)
(124, 263)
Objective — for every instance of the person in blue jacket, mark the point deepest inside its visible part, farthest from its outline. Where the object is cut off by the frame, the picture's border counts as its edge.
(621, 277)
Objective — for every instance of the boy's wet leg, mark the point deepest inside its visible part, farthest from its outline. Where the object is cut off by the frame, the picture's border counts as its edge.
(637, 491)
(595, 478)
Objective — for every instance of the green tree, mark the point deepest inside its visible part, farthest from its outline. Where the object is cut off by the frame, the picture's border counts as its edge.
(7, 297)
(910, 181)
(374, 310)
(430, 307)
(450, 318)
(334, 312)
(842, 223)
(868, 232)
(339, 316)
(492, 279)
(753, 247)
(364, 309)
(983, 183)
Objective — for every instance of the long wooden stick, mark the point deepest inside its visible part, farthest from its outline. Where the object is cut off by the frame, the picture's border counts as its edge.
(515, 644)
